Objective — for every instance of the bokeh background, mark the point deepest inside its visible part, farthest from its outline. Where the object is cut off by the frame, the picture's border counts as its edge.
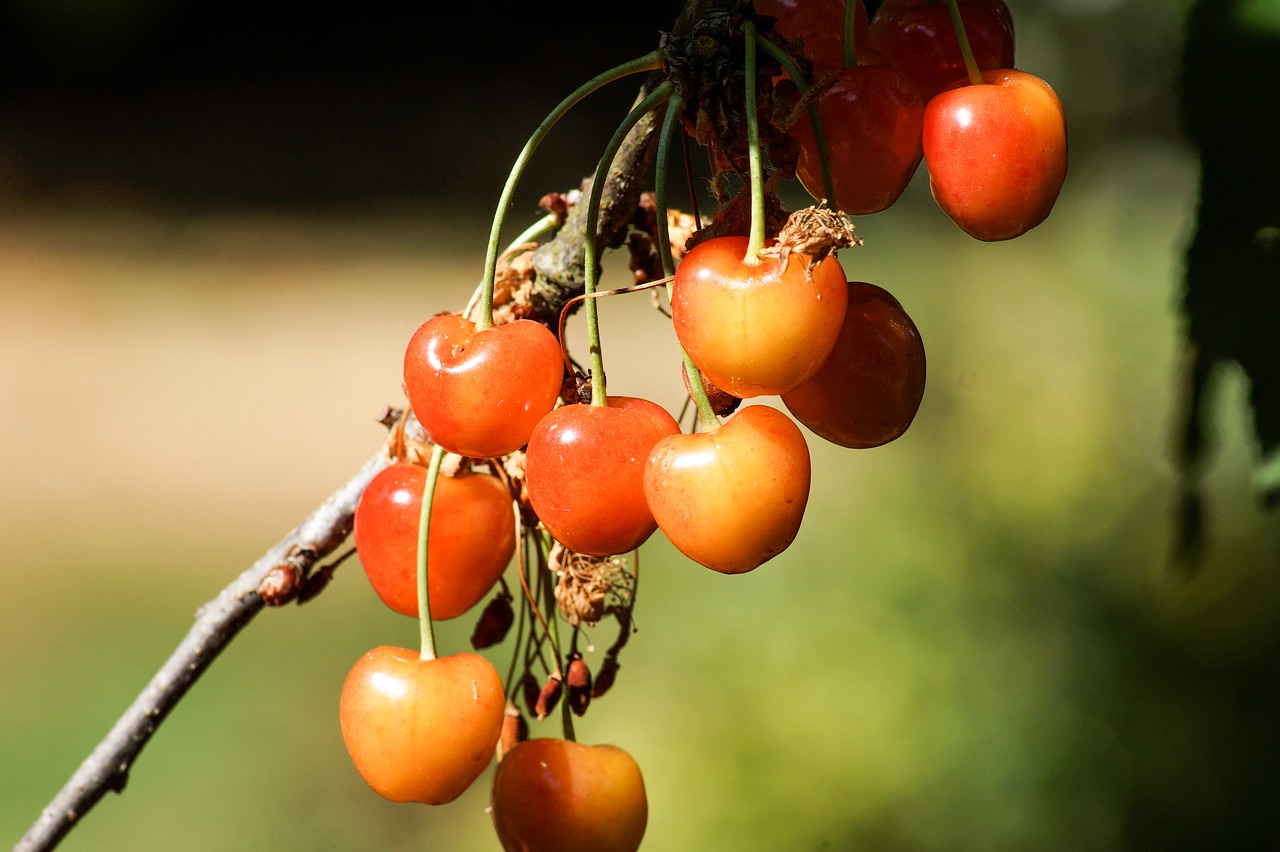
(219, 223)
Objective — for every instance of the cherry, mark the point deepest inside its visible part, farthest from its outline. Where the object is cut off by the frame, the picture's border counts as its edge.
(479, 392)
(820, 26)
(471, 538)
(871, 121)
(920, 37)
(732, 497)
(421, 730)
(756, 326)
(996, 153)
(554, 795)
(868, 390)
(584, 470)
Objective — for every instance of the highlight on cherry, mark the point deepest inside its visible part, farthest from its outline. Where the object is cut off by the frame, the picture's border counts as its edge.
(521, 487)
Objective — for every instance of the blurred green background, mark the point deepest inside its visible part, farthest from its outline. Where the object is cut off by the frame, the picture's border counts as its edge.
(218, 226)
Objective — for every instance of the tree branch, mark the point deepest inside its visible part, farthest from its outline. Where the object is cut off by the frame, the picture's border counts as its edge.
(216, 624)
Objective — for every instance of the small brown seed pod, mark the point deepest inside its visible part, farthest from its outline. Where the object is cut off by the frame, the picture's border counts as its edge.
(548, 696)
(494, 622)
(578, 684)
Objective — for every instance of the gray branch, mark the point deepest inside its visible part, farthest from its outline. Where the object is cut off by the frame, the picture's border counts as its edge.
(216, 624)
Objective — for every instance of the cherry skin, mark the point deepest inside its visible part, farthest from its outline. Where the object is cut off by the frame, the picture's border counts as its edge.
(480, 393)
(731, 498)
(421, 730)
(584, 470)
(868, 390)
(996, 153)
(471, 538)
(756, 328)
(553, 795)
(819, 24)
(919, 36)
(871, 120)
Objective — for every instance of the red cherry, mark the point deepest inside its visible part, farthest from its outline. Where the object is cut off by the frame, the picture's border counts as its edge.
(756, 328)
(920, 37)
(552, 795)
(731, 498)
(868, 390)
(421, 730)
(472, 538)
(871, 120)
(584, 470)
(996, 153)
(819, 24)
(480, 393)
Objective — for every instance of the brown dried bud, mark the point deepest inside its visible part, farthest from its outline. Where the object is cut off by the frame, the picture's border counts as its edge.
(605, 676)
(549, 696)
(280, 584)
(577, 681)
(494, 622)
(515, 730)
(722, 402)
(529, 689)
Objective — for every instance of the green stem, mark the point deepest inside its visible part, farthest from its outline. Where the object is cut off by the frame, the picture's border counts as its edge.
(661, 93)
(756, 239)
(553, 626)
(966, 51)
(648, 62)
(815, 121)
(670, 125)
(424, 530)
(849, 37)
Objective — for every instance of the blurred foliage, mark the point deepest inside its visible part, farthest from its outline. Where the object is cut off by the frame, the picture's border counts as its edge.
(975, 643)
(1231, 300)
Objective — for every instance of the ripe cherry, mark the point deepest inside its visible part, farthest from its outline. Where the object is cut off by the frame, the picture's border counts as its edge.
(819, 24)
(421, 730)
(471, 538)
(868, 390)
(871, 120)
(553, 795)
(733, 497)
(479, 393)
(758, 326)
(920, 37)
(996, 153)
(584, 470)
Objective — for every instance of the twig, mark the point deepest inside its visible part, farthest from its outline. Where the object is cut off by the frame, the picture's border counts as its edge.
(216, 624)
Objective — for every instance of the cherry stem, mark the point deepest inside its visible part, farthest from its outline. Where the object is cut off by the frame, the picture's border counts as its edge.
(966, 51)
(756, 239)
(648, 62)
(549, 598)
(706, 414)
(815, 120)
(543, 227)
(659, 95)
(848, 38)
(424, 531)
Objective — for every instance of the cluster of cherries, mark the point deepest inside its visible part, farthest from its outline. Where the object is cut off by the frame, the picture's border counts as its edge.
(527, 457)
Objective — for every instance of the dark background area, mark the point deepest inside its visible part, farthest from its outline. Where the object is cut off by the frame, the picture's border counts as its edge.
(197, 104)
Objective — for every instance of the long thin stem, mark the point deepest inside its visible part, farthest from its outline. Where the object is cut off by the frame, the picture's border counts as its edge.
(966, 51)
(660, 94)
(815, 120)
(648, 62)
(848, 39)
(424, 530)
(670, 126)
(756, 239)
